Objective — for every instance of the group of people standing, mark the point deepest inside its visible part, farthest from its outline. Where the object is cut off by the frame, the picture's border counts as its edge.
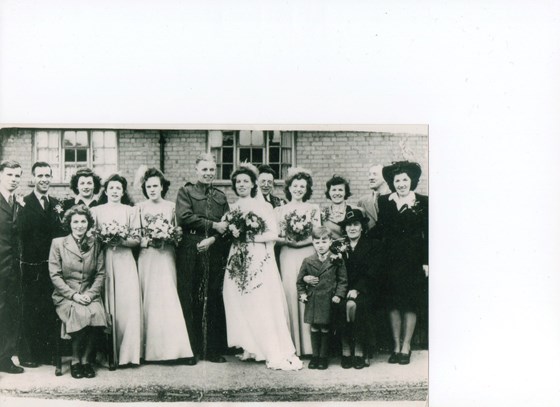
(274, 292)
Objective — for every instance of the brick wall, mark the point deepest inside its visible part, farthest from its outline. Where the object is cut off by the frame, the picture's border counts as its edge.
(349, 154)
(18, 145)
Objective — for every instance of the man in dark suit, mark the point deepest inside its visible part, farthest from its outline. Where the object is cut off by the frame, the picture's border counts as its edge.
(39, 222)
(378, 187)
(10, 176)
(266, 185)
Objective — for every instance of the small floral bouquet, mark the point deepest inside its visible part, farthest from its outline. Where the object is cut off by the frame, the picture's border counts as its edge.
(242, 228)
(297, 227)
(112, 233)
(160, 231)
(339, 250)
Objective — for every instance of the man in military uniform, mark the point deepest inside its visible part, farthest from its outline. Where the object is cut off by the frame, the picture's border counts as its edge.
(266, 185)
(201, 259)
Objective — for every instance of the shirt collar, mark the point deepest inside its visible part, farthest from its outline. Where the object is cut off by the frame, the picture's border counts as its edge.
(39, 195)
(6, 194)
(409, 200)
(79, 199)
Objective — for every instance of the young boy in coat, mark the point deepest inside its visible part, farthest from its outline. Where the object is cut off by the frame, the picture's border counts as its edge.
(321, 282)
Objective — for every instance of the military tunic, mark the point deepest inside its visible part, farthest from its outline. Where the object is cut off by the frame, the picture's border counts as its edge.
(200, 276)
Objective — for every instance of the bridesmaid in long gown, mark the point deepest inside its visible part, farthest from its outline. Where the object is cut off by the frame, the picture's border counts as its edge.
(298, 189)
(256, 312)
(122, 288)
(165, 331)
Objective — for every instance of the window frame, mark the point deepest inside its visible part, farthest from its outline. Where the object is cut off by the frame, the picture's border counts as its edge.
(61, 162)
(227, 181)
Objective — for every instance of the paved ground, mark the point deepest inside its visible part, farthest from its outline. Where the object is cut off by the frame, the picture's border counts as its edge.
(233, 381)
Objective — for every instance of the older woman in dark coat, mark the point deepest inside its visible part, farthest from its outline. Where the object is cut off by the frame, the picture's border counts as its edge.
(363, 261)
(77, 272)
(403, 226)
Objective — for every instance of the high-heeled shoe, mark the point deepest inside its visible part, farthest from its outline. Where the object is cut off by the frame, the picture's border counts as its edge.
(404, 358)
(359, 362)
(394, 358)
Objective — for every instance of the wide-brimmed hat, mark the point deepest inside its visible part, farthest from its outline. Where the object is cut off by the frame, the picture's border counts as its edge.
(355, 214)
(411, 168)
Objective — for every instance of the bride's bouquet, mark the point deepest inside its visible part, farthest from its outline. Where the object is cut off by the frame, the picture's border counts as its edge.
(112, 233)
(159, 231)
(297, 227)
(243, 226)
(242, 229)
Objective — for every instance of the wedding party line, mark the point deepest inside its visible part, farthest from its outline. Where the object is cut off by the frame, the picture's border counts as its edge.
(267, 278)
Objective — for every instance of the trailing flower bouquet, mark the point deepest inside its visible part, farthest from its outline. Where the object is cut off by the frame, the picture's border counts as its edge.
(243, 226)
(297, 227)
(112, 233)
(159, 231)
(242, 229)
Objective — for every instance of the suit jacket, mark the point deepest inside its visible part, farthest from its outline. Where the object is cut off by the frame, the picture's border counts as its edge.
(369, 204)
(75, 272)
(332, 281)
(38, 227)
(9, 251)
(275, 201)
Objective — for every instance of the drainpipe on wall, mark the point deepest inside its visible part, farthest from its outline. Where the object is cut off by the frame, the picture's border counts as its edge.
(162, 151)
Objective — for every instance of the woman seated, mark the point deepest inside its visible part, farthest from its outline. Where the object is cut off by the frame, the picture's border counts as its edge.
(77, 272)
(363, 265)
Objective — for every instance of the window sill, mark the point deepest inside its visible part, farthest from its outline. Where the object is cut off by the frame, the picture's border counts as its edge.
(227, 183)
(53, 184)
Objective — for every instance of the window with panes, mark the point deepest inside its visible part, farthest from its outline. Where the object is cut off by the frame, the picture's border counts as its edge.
(68, 150)
(272, 147)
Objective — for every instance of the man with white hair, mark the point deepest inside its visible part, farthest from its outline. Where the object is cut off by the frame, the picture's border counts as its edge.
(378, 187)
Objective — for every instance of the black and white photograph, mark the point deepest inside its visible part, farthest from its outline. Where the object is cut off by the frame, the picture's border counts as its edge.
(304, 202)
(216, 265)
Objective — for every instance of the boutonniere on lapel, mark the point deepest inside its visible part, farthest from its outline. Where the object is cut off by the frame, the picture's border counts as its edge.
(416, 208)
(59, 210)
(19, 200)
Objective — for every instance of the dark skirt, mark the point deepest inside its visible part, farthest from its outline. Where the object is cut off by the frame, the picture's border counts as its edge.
(363, 327)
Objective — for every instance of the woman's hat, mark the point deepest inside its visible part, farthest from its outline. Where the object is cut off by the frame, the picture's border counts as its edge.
(411, 168)
(355, 214)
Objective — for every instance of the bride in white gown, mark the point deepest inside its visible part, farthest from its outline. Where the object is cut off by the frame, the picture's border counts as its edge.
(256, 310)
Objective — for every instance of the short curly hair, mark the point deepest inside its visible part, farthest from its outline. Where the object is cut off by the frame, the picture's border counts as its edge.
(298, 176)
(251, 174)
(85, 172)
(338, 180)
(80, 209)
(151, 173)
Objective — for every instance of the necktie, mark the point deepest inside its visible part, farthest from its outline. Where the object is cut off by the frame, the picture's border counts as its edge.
(44, 202)
(11, 201)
